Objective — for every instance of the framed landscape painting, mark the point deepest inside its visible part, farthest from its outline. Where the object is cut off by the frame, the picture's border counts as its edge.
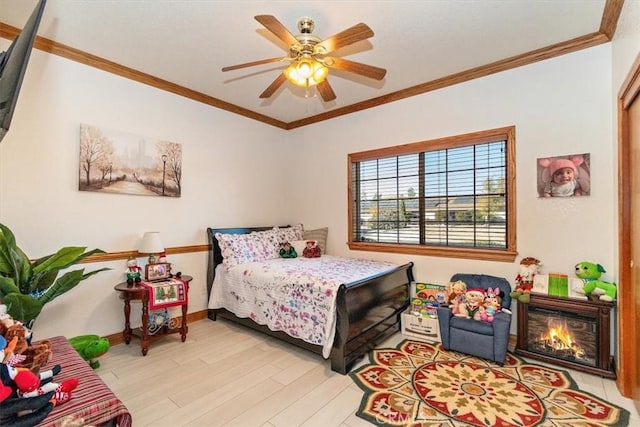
(119, 162)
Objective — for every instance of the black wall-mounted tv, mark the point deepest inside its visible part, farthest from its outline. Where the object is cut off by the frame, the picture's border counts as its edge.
(13, 65)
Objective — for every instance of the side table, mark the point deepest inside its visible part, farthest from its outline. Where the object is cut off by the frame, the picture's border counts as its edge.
(136, 292)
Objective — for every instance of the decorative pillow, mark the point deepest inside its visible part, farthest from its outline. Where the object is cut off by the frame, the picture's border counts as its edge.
(319, 235)
(240, 248)
(289, 234)
(299, 246)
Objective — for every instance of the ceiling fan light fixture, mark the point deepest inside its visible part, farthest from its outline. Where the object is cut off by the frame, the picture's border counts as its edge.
(306, 72)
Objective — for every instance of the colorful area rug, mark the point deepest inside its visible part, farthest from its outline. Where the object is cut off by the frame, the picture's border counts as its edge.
(421, 384)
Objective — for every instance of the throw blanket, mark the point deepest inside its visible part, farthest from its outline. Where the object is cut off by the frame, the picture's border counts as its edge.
(296, 296)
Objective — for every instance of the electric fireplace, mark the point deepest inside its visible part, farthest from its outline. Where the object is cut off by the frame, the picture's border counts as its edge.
(569, 332)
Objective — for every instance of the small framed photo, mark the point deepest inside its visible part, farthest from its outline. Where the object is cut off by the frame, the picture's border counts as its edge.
(159, 271)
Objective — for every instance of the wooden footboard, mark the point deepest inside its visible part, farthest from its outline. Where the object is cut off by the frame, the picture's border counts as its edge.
(368, 311)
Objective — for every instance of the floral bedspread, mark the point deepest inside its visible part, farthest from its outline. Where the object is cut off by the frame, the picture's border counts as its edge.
(296, 296)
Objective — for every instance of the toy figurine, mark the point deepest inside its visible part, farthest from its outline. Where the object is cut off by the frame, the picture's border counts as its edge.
(287, 251)
(312, 250)
(133, 272)
(590, 274)
(529, 267)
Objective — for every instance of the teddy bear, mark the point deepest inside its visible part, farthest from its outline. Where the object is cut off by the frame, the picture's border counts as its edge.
(529, 267)
(590, 274)
(473, 302)
(18, 348)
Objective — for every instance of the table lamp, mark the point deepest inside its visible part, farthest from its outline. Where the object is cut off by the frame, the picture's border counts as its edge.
(152, 245)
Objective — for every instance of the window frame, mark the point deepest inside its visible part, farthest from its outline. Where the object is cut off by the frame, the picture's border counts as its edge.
(509, 253)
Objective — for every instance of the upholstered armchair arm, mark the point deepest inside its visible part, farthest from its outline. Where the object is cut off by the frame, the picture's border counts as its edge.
(444, 318)
(501, 328)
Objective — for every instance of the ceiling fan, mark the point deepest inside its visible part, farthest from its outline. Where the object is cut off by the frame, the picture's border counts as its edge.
(308, 56)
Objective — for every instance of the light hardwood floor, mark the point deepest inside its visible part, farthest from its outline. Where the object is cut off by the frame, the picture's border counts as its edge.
(227, 375)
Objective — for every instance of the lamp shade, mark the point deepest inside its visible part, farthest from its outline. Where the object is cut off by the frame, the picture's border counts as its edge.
(151, 243)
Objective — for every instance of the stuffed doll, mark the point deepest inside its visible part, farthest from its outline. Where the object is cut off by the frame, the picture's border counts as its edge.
(473, 301)
(20, 412)
(26, 384)
(492, 305)
(590, 274)
(455, 299)
(529, 267)
(287, 251)
(312, 250)
(26, 398)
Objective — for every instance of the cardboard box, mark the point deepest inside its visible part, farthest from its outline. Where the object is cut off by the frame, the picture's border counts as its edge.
(431, 293)
(419, 327)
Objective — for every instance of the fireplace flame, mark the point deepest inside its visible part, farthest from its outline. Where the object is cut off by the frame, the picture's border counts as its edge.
(559, 338)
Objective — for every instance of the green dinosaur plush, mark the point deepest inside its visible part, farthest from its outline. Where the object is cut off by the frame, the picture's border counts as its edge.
(590, 273)
(90, 347)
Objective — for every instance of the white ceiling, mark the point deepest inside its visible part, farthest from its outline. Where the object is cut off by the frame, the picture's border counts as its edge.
(187, 42)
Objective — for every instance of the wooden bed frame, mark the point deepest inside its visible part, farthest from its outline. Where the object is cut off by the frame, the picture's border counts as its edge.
(368, 310)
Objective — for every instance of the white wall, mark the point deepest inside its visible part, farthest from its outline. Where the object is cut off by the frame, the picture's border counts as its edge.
(560, 106)
(233, 171)
(231, 176)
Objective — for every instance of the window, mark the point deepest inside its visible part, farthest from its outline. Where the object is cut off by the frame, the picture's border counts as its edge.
(452, 197)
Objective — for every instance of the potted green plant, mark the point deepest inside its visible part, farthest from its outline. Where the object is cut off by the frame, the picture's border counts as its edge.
(26, 286)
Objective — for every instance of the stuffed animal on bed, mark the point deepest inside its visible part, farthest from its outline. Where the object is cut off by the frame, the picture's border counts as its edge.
(312, 250)
(287, 251)
(590, 274)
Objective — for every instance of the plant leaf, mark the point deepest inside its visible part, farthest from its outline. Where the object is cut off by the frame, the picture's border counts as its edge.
(64, 283)
(7, 286)
(13, 261)
(42, 281)
(22, 307)
(62, 259)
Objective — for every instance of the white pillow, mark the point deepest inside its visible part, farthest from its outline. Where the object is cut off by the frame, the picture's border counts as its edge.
(289, 234)
(299, 246)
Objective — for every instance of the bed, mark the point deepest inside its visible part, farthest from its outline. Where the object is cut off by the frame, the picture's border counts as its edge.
(367, 309)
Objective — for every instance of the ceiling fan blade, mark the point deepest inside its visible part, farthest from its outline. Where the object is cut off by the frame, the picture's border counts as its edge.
(251, 64)
(370, 71)
(274, 86)
(349, 36)
(272, 24)
(326, 92)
